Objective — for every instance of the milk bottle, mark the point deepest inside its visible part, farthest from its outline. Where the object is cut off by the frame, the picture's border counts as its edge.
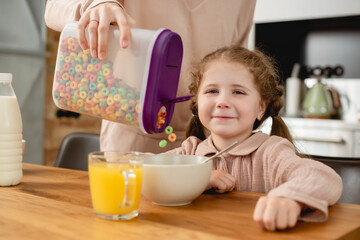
(10, 134)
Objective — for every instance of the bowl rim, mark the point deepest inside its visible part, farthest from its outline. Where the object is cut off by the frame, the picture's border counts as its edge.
(175, 165)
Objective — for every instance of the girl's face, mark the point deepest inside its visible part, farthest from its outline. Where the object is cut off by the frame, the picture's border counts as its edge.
(228, 102)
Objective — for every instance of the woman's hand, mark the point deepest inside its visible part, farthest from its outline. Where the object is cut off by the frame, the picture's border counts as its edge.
(274, 213)
(98, 19)
(221, 181)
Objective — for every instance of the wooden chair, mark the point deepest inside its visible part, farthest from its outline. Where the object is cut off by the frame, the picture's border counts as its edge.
(74, 150)
(349, 170)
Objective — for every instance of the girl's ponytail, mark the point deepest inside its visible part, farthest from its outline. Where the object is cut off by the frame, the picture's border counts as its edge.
(279, 128)
(195, 128)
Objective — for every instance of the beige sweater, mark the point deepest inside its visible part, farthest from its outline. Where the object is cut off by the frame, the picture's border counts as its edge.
(204, 25)
(268, 164)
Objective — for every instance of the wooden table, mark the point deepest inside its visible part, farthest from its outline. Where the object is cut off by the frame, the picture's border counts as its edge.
(54, 203)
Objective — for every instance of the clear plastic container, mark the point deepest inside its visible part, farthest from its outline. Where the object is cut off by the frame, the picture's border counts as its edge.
(136, 86)
(11, 153)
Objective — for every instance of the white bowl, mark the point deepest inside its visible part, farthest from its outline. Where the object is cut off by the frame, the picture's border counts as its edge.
(175, 180)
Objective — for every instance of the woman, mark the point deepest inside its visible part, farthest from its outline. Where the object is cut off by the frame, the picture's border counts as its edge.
(204, 25)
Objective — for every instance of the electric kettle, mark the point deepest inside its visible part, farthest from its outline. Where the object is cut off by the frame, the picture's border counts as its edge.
(317, 102)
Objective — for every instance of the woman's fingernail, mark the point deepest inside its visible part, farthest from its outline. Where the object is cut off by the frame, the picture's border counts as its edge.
(102, 55)
(94, 53)
(124, 43)
(83, 45)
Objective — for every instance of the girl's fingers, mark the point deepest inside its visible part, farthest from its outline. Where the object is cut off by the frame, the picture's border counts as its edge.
(282, 221)
(293, 214)
(270, 214)
(259, 211)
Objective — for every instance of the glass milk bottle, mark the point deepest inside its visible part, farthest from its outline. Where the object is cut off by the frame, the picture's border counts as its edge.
(10, 134)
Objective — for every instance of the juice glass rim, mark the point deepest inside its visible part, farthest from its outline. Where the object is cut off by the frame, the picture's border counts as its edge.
(117, 156)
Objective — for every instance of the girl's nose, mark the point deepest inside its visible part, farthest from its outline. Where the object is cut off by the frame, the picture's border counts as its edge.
(223, 102)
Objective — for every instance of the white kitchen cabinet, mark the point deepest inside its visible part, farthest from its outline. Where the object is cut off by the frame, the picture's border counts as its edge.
(329, 138)
(357, 144)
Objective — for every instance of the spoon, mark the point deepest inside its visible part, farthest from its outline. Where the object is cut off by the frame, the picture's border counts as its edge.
(218, 153)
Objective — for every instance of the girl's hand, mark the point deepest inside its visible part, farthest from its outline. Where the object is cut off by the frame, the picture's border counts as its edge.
(221, 181)
(274, 213)
(98, 19)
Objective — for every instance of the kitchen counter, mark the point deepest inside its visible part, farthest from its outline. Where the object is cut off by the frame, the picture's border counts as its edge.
(323, 123)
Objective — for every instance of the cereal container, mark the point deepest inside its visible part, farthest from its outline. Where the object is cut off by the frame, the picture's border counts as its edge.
(136, 86)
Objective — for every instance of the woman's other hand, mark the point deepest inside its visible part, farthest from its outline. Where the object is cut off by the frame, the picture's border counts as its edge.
(274, 213)
(99, 19)
(221, 181)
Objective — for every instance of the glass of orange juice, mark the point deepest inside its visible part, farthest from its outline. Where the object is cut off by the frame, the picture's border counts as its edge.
(115, 183)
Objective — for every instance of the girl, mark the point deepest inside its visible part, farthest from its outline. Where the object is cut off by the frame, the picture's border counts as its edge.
(236, 90)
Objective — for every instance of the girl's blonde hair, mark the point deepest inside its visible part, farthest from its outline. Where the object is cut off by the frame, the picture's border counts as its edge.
(267, 81)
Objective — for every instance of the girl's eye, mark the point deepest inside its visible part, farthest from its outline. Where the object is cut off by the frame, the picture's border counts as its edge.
(238, 92)
(212, 91)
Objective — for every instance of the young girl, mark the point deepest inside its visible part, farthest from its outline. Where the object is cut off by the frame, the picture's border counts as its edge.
(236, 90)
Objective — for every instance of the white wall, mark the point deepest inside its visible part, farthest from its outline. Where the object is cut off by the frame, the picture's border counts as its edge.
(285, 10)
(22, 53)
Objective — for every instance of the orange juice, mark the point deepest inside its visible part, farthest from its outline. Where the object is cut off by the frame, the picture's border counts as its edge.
(107, 184)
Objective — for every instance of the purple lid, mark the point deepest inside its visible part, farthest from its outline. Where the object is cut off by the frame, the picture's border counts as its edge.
(163, 80)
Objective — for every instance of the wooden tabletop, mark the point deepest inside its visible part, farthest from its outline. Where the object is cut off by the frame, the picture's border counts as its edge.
(54, 203)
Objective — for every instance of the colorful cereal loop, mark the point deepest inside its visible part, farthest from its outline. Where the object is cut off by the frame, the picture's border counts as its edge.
(100, 86)
(172, 137)
(83, 94)
(72, 55)
(100, 79)
(77, 93)
(106, 71)
(70, 41)
(85, 58)
(92, 85)
(92, 77)
(97, 67)
(168, 130)
(131, 108)
(116, 97)
(137, 108)
(78, 68)
(72, 71)
(66, 66)
(162, 143)
(110, 101)
(129, 117)
(74, 47)
(105, 91)
(90, 68)
(67, 96)
(73, 85)
(124, 107)
(113, 91)
(94, 61)
(80, 102)
(65, 76)
(122, 91)
(67, 59)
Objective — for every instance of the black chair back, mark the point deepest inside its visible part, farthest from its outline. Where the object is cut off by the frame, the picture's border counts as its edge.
(74, 150)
